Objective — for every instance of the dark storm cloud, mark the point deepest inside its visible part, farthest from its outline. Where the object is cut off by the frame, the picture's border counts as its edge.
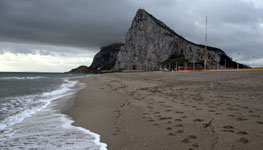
(82, 23)
(233, 25)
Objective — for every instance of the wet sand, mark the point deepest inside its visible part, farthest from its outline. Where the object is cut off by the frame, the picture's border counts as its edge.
(173, 110)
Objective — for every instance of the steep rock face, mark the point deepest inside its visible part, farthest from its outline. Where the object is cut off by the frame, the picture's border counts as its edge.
(150, 42)
(105, 59)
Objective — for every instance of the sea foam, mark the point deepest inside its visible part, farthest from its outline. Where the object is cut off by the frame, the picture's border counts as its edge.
(49, 129)
(23, 107)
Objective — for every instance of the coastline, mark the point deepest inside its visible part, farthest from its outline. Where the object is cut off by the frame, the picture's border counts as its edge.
(172, 110)
(91, 111)
(40, 123)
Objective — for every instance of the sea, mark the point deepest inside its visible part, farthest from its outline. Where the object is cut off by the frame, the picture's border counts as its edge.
(31, 106)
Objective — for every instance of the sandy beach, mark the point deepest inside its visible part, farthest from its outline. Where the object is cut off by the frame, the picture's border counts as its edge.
(173, 110)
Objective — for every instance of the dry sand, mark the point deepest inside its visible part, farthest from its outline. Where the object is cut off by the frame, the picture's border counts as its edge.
(173, 110)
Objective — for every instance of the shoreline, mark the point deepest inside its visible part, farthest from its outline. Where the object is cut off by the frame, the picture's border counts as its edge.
(168, 110)
(47, 127)
(104, 112)
(96, 109)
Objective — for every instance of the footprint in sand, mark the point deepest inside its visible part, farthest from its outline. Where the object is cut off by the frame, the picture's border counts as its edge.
(245, 107)
(241, 119)
(185, 140)
(168, 128)
(118, 116)
(231, 115)
(232, 109)
(171, 134)
(228, 127)
(151, 111)
(192, 137)
(168, 106)
(212, 107)
(179, 112)
(156, 112)
(158, 116)
(178, 125)
(198, 120)
(183, 117)
(115, 134)
(259, 122)
(169, 122)
(177, 119)
(117, 130)
(122, 105)
(228, 130)
(251, 111)
(254, 116)
(228, 104)
(196, 145)
(150, 120)
(145, 113)
(155, 124)
(165, 118)
(150, 107)
(242, 133)
(243, 140)
(180, 131)
(168, 110)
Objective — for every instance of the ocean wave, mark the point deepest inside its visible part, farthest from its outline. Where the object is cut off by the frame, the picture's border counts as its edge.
(22, 78)
(49, 129)
(19, 108)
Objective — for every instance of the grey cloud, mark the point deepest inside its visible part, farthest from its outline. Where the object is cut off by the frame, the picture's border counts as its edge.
(81, 24)
(233, 24)
(24, 48)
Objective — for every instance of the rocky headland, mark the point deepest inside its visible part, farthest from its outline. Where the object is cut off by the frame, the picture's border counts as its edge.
(150, 43)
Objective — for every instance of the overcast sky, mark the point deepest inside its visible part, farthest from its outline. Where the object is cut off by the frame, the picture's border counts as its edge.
(58, 35)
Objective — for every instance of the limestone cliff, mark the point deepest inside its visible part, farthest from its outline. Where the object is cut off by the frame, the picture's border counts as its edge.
(150, 42)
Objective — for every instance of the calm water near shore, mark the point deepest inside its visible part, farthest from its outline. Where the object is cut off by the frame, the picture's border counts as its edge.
(30, 112)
